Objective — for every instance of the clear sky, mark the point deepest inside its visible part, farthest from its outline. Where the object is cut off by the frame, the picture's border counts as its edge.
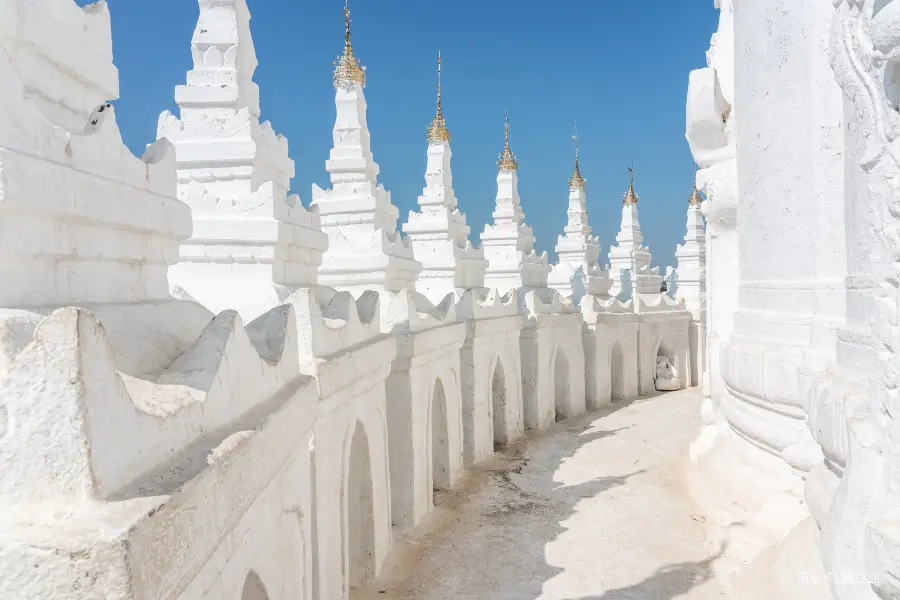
(620, 69)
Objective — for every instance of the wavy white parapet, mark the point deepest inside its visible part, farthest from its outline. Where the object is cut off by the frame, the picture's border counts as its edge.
(544, 301)
(408, 310)
(369, 244)
(659, 303)
(485, 304)
(330, 322)
(84, 429)
(594, 306)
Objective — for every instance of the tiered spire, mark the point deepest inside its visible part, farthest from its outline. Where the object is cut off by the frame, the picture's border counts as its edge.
(437, 131)
(577, 249)
(235, 172)
(365, 250)
(691, 257)
(507, 162)
(438, 232)
(348, 70)
(629, 259)
(508, 242)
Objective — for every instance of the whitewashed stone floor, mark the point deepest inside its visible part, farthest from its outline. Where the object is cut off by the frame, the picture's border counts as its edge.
(596, 508)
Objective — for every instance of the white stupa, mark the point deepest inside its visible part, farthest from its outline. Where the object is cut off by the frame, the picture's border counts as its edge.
(365, 251)
(509, 243)
(234, 172)
(577, 249)
(629, 259)
(438, 232)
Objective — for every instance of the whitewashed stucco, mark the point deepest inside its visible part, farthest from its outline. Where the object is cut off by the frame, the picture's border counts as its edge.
(259, 434)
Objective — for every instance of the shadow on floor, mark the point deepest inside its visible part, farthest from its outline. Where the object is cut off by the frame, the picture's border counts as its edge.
(669, 582)
(489, 537)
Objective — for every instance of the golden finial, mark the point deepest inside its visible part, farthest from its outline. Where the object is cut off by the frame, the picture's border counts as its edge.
(438, 132)
(348, 70)
(630, 196)
(508, 160)
(576, 181)
(696, 199)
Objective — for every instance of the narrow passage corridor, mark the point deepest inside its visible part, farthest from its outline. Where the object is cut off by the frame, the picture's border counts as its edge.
(596, 508)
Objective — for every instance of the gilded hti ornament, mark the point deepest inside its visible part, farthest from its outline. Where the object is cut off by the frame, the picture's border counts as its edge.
(630, 196)
(696, 199)
(507, 162)
(437, 131)
(348, 70)
(576, 181)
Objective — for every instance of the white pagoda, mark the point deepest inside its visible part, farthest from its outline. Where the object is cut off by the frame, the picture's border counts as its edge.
(577, 249)
(438, 232)
(509, 243)
(629, 259)
(365, 250)
(234, 172)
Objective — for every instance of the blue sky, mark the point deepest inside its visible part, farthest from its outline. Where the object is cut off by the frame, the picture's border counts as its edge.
(620, 69)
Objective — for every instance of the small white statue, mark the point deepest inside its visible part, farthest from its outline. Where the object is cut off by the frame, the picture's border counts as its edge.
(666, 375)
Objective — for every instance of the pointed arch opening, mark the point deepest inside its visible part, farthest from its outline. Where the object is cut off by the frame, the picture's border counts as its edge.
(498, 404)
(616, 373)
(360, 511)
(440, 440)
(254, 588)
(561, 385)
(667, 376)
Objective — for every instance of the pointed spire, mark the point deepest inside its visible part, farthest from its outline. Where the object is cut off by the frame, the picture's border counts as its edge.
(630, 196)
(348, 70)
(508, 160)
(696, 199)
(576, 181)
(438, 132)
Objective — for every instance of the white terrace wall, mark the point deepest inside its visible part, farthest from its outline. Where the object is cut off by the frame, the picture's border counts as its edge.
(491, 363)
(611, 357)
(552, 358)
(424, 408)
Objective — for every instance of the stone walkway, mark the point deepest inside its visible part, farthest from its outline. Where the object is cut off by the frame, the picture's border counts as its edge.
(594, 509)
